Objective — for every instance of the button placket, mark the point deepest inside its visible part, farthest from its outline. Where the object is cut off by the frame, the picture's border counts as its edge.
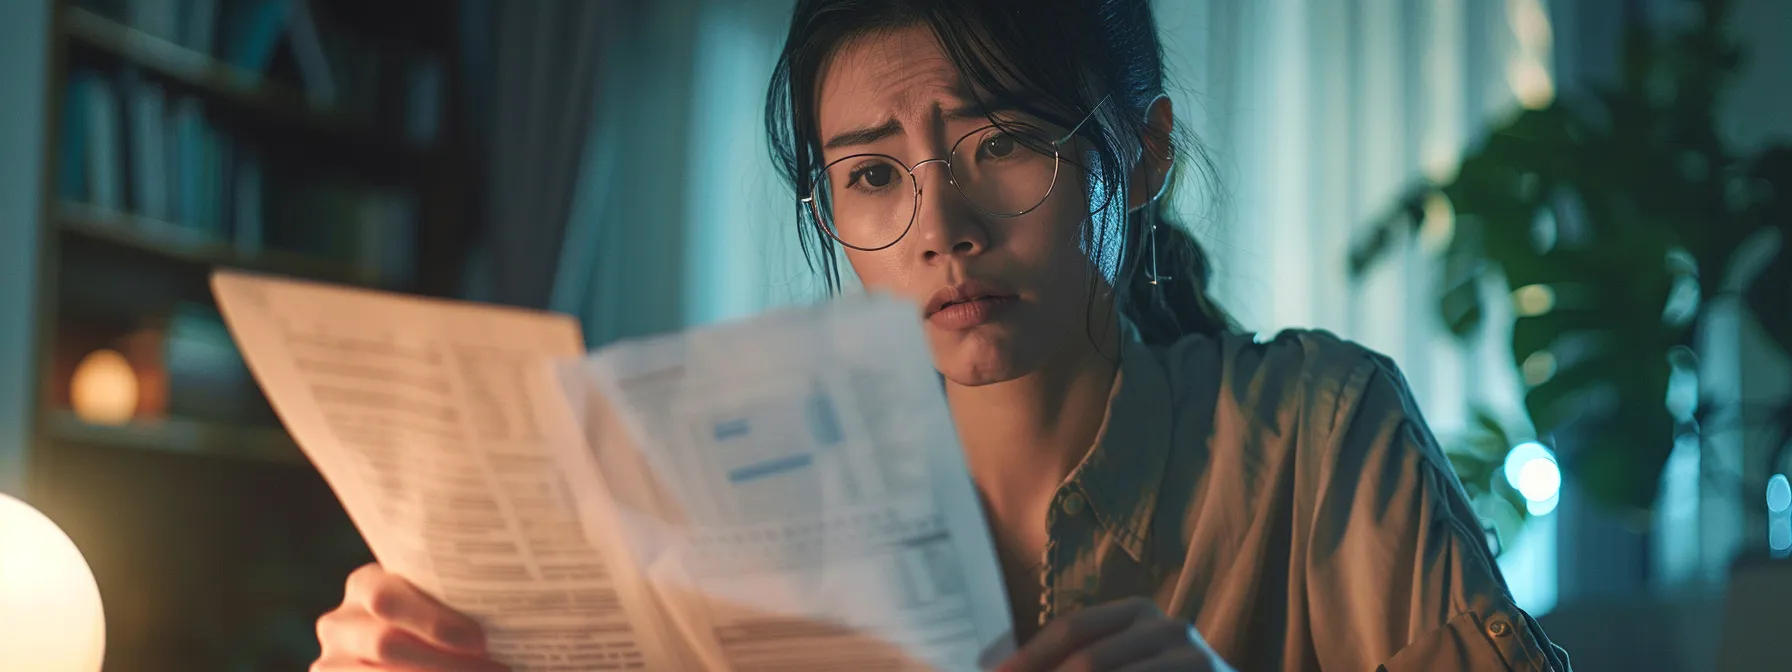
(1069, 504)
(1045, 566)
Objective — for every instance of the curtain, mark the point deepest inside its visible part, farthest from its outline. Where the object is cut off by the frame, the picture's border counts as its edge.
(1322, 116)
(679, 219)
(533, 71)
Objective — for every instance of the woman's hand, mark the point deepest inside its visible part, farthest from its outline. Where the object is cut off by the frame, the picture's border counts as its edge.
(1130, 635)
(385, 623)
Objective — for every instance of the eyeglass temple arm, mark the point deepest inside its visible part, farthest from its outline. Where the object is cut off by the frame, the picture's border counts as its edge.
(1084, 122)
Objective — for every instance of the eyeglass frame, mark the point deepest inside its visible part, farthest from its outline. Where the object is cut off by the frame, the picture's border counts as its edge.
(915, 181)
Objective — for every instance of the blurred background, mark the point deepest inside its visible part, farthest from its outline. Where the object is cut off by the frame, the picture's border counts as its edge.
(1569, 222)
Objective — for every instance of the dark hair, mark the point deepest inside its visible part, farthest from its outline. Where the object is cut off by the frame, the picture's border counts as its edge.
(1055, 60)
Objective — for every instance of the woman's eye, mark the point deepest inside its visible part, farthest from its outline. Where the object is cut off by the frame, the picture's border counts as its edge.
(998, 146)
(876, 175)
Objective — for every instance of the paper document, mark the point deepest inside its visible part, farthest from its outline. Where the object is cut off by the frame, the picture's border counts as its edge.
(785, 493)
(425, 418)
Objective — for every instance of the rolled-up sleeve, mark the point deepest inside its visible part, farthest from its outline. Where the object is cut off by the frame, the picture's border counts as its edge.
(1399, 576)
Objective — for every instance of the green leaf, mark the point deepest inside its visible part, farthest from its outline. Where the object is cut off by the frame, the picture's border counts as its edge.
(1618, 462)
(1613, 431)
(1567, 396)
(1503, 489)
(1489, 426)
(1461, 309)
(1539, 332)
(1472, 471)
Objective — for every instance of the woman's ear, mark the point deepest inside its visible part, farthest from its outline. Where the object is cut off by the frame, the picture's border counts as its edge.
(1150, 173)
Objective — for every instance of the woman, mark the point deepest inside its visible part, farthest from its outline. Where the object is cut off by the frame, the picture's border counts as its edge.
(1165, 493)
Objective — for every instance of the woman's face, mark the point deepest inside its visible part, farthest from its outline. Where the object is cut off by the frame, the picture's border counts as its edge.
(1000, 296)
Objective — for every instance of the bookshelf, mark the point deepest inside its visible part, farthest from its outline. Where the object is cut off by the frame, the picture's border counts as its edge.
(196, 69)
(168, 241)
(240, 91)
(317, 139)
(195, 438)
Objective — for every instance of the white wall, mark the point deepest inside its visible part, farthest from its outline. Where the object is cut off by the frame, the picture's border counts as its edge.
(24, 31)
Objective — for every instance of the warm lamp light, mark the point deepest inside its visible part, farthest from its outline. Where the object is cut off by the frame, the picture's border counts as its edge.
(104, 388)
(50, 616)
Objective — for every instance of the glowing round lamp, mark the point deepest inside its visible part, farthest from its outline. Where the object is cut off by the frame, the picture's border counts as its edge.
(104, 388)
(50, 616)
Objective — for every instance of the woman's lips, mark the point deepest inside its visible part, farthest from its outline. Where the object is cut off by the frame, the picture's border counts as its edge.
(963, 315)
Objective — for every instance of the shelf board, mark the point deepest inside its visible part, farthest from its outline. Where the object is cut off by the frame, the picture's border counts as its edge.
(173, 242)
(180, 435)
(211, 76)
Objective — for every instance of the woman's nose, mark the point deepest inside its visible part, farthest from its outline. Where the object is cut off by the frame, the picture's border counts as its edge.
(947, 225)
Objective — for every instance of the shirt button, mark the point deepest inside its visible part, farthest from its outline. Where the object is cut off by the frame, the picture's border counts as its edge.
(1073, 503)
(1499, 627)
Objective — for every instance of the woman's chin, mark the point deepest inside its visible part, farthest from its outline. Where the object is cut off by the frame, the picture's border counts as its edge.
(978, 359)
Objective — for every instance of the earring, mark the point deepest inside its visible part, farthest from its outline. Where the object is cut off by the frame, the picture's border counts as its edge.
(1153, 276)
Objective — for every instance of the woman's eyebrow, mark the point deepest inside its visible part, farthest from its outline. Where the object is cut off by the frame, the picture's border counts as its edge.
(871, 134)
(863, 136)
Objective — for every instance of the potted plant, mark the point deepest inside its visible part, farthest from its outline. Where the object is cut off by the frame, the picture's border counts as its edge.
(1617, 217)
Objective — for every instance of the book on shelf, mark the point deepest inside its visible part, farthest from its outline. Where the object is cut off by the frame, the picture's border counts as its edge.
(424, 82)
(215, 148)
(308, 50)
(103, 147)
(246, 209)
(196, 172)
(186, 116)
(73, 170)
(252, 33)
(148, 135)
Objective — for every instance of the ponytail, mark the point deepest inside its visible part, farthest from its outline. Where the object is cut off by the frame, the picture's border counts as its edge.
(1164, 289)
(1173, 302)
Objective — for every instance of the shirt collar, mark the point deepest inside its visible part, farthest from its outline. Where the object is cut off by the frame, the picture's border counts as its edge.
(1122, 474)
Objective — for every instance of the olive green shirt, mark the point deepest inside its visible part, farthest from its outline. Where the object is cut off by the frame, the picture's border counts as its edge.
(1288, 500)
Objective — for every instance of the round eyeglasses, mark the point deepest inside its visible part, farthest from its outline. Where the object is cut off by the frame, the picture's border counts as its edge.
(868, 201)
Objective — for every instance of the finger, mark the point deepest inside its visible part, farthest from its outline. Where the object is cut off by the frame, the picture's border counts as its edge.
(390, 598)
(1180, 660)
(354, 665)
(1071, 633)
(1142, 642)
(353, 636)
